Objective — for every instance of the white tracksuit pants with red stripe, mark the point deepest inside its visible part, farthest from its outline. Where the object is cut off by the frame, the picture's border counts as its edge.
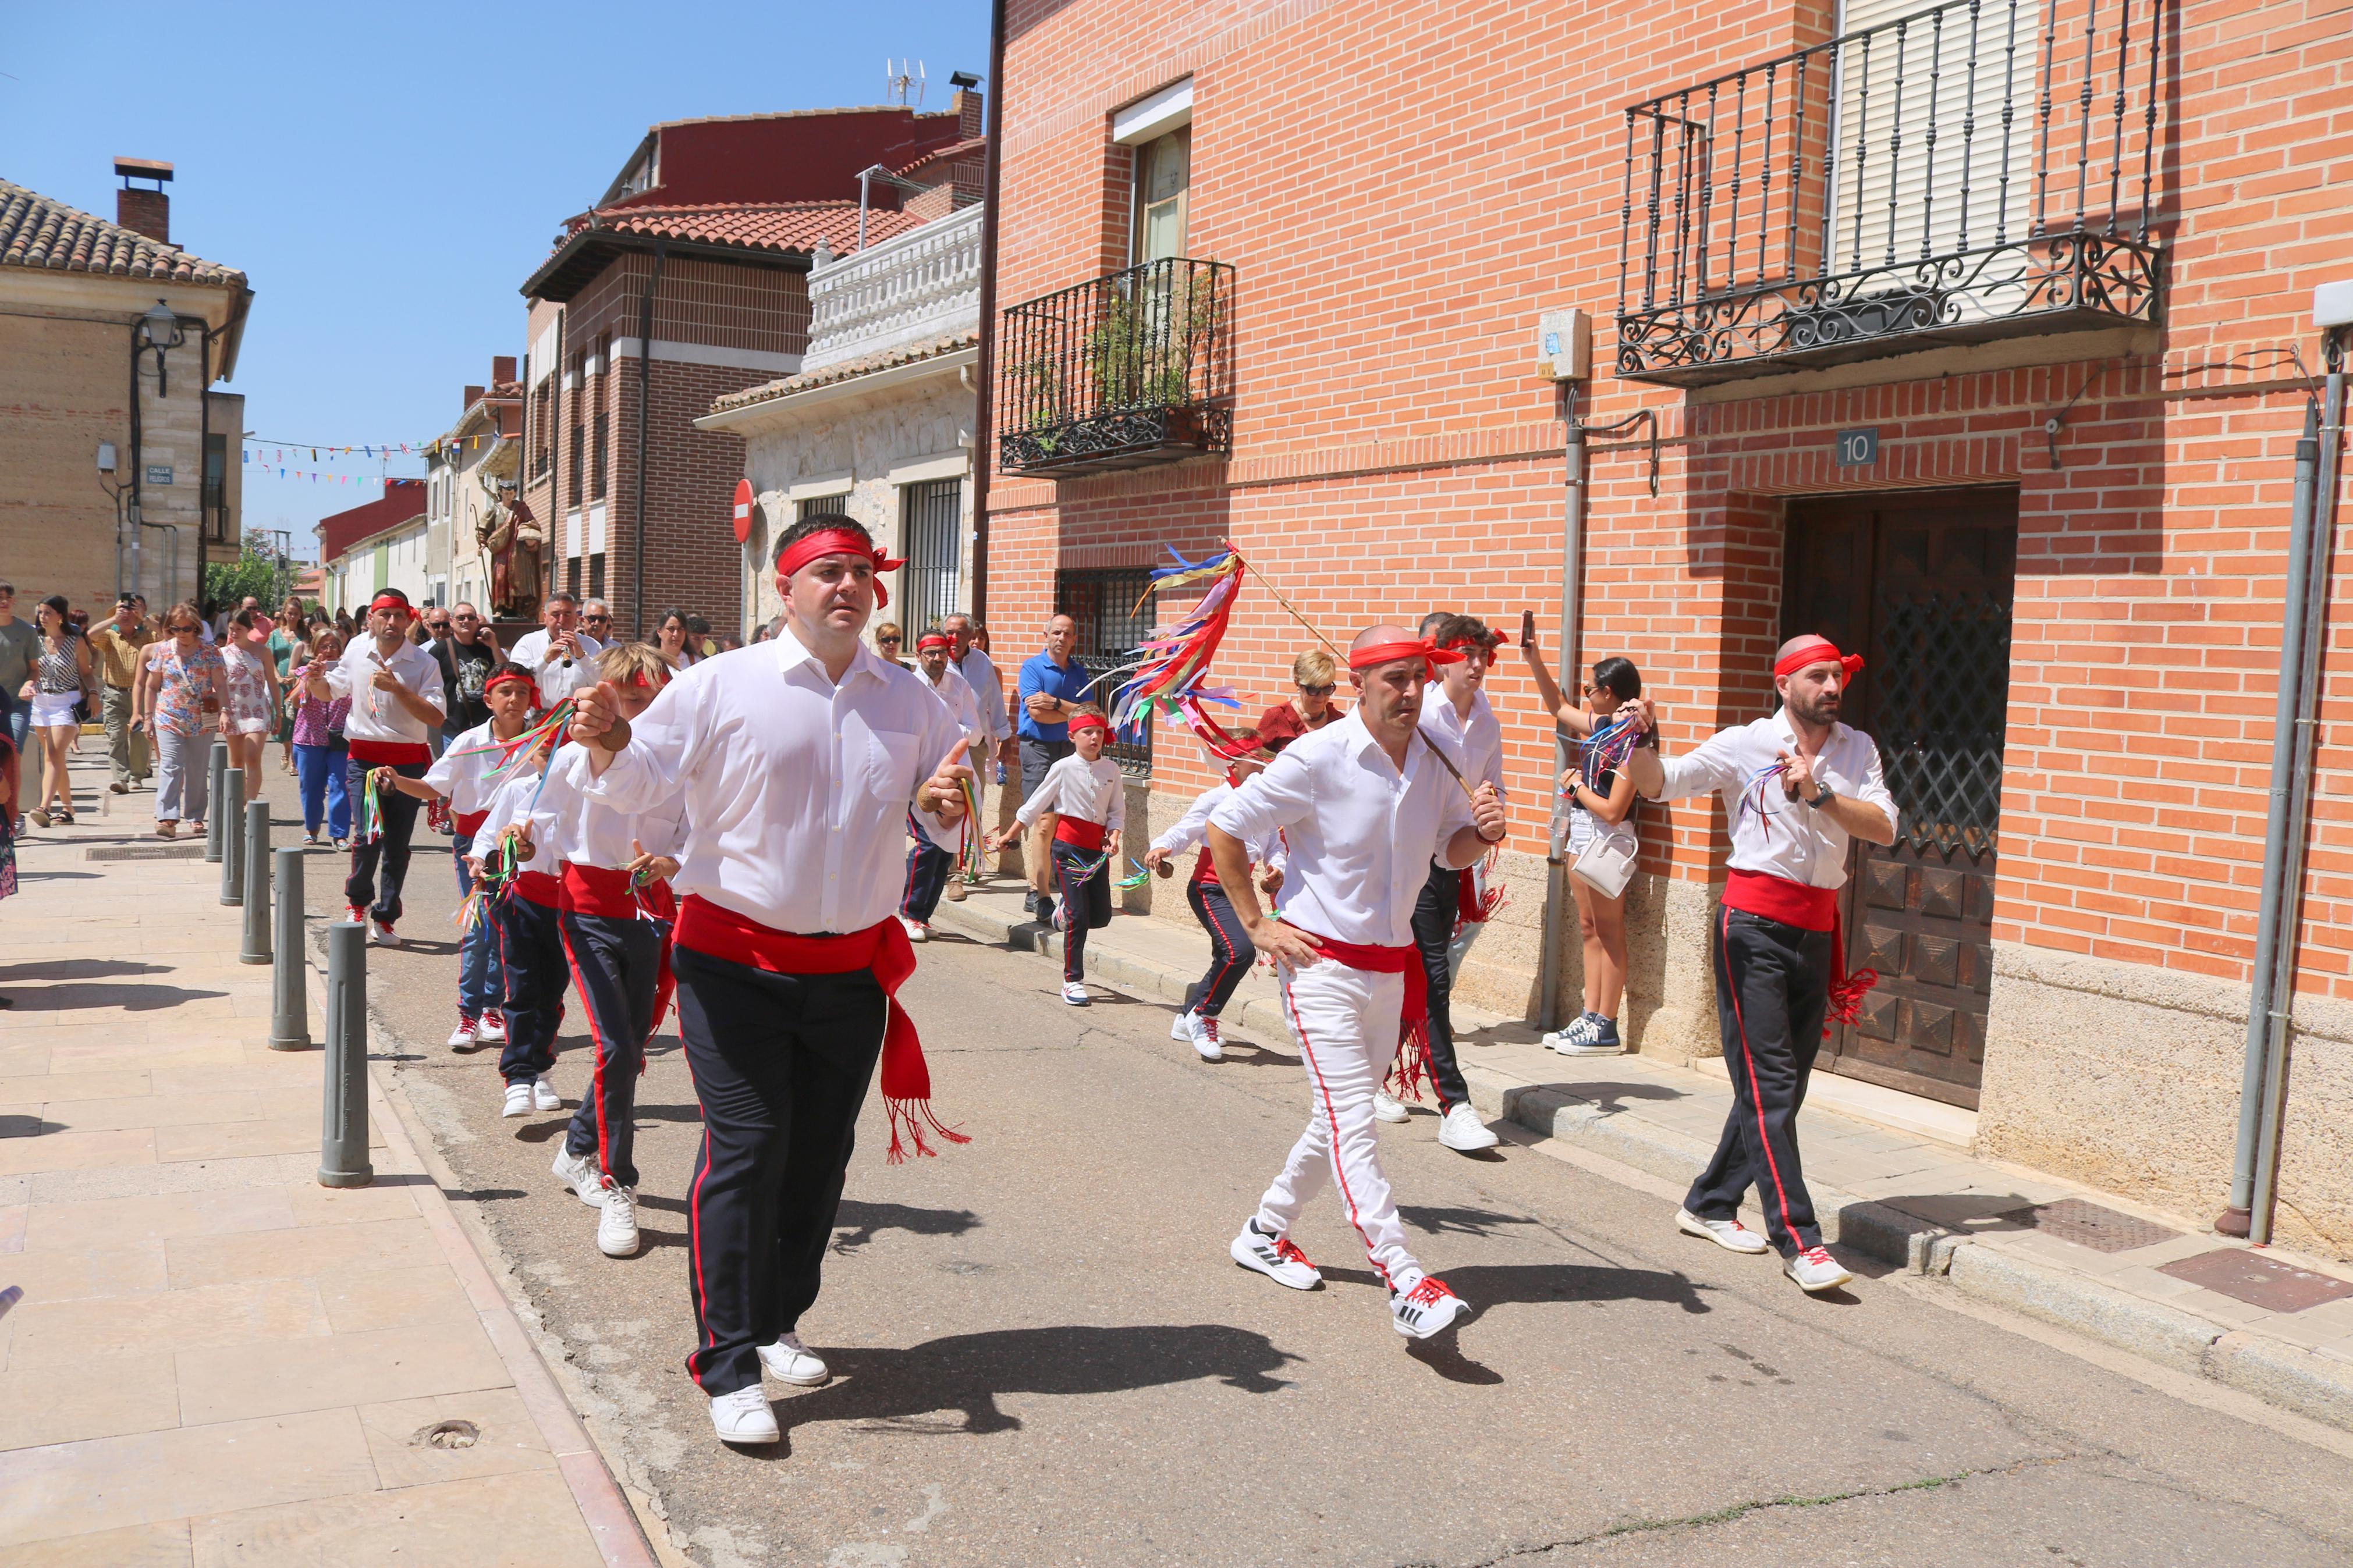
(1346, 1021)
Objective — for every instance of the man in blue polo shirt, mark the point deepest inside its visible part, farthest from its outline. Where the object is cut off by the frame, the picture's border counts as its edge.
(1053, 683)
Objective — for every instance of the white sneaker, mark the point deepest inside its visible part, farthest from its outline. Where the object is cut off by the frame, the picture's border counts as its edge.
(461, 1038)
(745, 1417)
(617, 1231)
(916, 930)
(1181, 1028)
(518, 1101)
(1387, 1106)
(579, 1172)
(1728, 1233)
(1276, 1257)
(1427, 1309)
(543, 1096)
(1462, 1131)
(1075, 993)
(381, 933)
(491, 1028)
(789, 1360)
(1206, 1044)
(1815, 1270)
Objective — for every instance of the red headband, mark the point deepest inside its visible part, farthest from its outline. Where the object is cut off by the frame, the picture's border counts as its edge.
(1429, 652)
(510, 677)
(392, 601)
(839, 542)
(932, 639)
(1500, 641)
(1089, 721)
(1817, 650)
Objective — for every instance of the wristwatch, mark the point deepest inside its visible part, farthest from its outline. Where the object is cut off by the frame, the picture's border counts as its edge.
(1822, 798)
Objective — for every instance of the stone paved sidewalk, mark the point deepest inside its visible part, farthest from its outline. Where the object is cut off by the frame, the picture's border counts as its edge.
(1894, 1181)
(217, 1361)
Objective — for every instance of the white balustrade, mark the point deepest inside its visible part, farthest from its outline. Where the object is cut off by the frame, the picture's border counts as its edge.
(922, 284)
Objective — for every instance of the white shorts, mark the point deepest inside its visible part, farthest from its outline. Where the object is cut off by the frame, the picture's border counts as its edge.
(52, 709)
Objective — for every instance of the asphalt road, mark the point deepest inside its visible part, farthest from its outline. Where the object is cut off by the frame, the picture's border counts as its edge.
(1044, 1355)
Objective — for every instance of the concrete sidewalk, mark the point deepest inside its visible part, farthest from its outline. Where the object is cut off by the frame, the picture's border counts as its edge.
(217, 1361)
(1894, 1181)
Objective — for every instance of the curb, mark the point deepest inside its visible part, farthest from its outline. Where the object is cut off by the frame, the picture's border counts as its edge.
(2316, 1386)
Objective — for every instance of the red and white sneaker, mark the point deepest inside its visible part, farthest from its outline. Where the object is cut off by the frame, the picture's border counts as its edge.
(461, 1038)
(491, 1029)
(1815, 1270)
(1205, 1039)
(381, 933)
(1276, 1257)
(1427, 1309)
(356, 915)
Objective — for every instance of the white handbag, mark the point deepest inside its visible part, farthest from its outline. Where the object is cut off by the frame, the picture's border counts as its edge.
(1606, 861)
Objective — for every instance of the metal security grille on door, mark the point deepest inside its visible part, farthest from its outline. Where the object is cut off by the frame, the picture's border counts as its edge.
(1115, 612)
(930, 524)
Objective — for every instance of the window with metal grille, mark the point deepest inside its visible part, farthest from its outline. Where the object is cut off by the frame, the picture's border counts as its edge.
(597, 575)
(1114, 612)
(930, 533)
(823, 505)
(603, 439)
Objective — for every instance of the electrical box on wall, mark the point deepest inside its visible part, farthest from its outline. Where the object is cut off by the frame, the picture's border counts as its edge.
(1564, 345)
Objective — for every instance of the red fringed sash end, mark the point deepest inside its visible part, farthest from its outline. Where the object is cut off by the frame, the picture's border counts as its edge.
(1412, 1068)
(908, 1120)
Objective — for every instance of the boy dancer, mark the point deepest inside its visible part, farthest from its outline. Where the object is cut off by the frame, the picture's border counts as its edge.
(1230, 952)
(616, 923)
(530, 944)
(1365, 805)
(798, 760)
(396, 707)
(1089, 800)
(928, 865)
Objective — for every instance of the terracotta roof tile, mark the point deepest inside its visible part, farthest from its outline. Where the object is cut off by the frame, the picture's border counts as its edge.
(865, 365)
(35, 232)
(947, 154)
(756, 225)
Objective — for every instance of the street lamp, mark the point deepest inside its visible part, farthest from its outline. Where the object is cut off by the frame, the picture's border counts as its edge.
(159, 330)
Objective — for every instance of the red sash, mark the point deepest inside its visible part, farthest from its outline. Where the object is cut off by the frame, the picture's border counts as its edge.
(1078, 835)
(882, 947)
(467, 821)
(540, 889)
(1204, 870)
(1412, 1067)
(1807, 909)
(602, 890)
(390, 753)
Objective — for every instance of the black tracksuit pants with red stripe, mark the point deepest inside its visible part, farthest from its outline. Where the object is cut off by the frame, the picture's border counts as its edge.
(780, 1064)
(1086, 903)
(617, 964)
(1434, 913)
(1231, 951)
(1772, 991)
(531, 951)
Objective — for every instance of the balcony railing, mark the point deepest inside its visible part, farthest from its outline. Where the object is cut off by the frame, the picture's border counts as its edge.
(1132, 368)
(924, 283)
(1978, 169)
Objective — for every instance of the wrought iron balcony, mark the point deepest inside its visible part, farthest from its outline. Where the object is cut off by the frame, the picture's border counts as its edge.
(1132, 368)
(1979, 169)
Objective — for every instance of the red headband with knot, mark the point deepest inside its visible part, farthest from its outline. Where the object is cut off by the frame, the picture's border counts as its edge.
(510, 677)
(1089, 721)
(1500, 641)
(1429, 652)
(932, 639)
(392, 601)
(1817, 650)
(839, 542)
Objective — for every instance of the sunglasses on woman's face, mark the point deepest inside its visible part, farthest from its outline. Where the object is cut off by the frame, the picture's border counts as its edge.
(889, 642)
(1317, 690)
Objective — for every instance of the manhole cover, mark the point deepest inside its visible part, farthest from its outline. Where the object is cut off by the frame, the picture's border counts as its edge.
(146, 852)
(447, 1434)
(2259, 1281)
(2089, 1225)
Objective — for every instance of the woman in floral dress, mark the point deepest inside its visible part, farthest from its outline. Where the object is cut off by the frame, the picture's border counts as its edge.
(252, 694)
(182, 701)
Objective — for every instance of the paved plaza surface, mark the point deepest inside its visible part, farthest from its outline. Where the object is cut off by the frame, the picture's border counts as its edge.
(1044, 1356)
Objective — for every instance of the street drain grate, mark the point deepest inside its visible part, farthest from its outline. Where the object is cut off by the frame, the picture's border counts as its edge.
(146, 852)
(2089, 1225)
(2257, 1280)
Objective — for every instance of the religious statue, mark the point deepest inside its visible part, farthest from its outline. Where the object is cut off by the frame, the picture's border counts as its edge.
(511, 537)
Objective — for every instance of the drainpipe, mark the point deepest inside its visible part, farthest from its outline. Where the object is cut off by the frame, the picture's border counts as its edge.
(2262, 1096)
(645, 403)
(1572, 509)
(985, 366)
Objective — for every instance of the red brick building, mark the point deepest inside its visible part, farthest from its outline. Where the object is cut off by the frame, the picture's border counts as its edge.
(1974, 335)
(700, 246)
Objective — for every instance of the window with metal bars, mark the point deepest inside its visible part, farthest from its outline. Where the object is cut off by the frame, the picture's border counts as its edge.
(1115, 611)
(931, 517)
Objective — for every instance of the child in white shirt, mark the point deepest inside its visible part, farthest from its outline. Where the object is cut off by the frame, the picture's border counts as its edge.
(1088, 799)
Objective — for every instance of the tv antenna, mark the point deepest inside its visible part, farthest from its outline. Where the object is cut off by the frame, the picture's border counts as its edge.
(900, 81)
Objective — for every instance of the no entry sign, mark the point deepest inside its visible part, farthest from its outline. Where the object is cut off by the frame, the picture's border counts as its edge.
(742, 510)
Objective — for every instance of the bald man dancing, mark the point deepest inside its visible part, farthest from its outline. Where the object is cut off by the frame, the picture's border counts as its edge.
(1366, 804)
(1796, 788)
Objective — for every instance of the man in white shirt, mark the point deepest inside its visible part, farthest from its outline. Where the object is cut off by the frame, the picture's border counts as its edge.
(1450, 910)
(397, 702)
(995, 747)
(1796, 788)
(560, 656)
(1365, 805)
(799, 763)
(929, 866)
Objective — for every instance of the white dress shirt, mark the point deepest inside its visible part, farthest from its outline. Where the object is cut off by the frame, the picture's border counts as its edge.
(1362, 835)
(1088, 792)
(797, 791)
(559, 679)
(953, 690)
(1478, 740)
(510, 804)
(464, 780)
(1787, 839)
(379, 716)
(571, 825)
(1191, 831)
(979, 672)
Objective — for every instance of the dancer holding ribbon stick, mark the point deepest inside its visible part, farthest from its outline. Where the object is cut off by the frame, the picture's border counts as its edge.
(397, 708)
(928, 865)
(1365, 805)
(798, 761)
(1087, 798)
(1796, 787)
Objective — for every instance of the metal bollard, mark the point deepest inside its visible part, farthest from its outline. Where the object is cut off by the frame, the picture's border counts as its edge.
(343, 1119)
(256, 883)
(229, 811)
(290, 1011)
(215, 765)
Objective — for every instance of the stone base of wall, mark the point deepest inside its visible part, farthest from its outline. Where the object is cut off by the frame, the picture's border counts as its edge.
(2127, 1077)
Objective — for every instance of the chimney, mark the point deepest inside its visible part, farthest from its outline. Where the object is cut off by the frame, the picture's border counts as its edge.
(143, 209)
(502, 369)
(473, 396)
(966, 102)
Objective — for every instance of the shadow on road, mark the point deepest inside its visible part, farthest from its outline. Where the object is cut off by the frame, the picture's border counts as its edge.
(856, 1224)
(1457, 1222)
(78, 969)
(1491, 1285)
(130, 998)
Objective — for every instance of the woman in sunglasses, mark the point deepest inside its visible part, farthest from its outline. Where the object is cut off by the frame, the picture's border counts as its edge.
(888, 640)
(181, 700)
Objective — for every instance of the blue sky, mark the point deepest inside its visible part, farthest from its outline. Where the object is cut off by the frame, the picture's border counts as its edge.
(387, 176)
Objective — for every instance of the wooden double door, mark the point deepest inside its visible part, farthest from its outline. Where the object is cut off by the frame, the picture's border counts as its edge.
(1921, 584)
